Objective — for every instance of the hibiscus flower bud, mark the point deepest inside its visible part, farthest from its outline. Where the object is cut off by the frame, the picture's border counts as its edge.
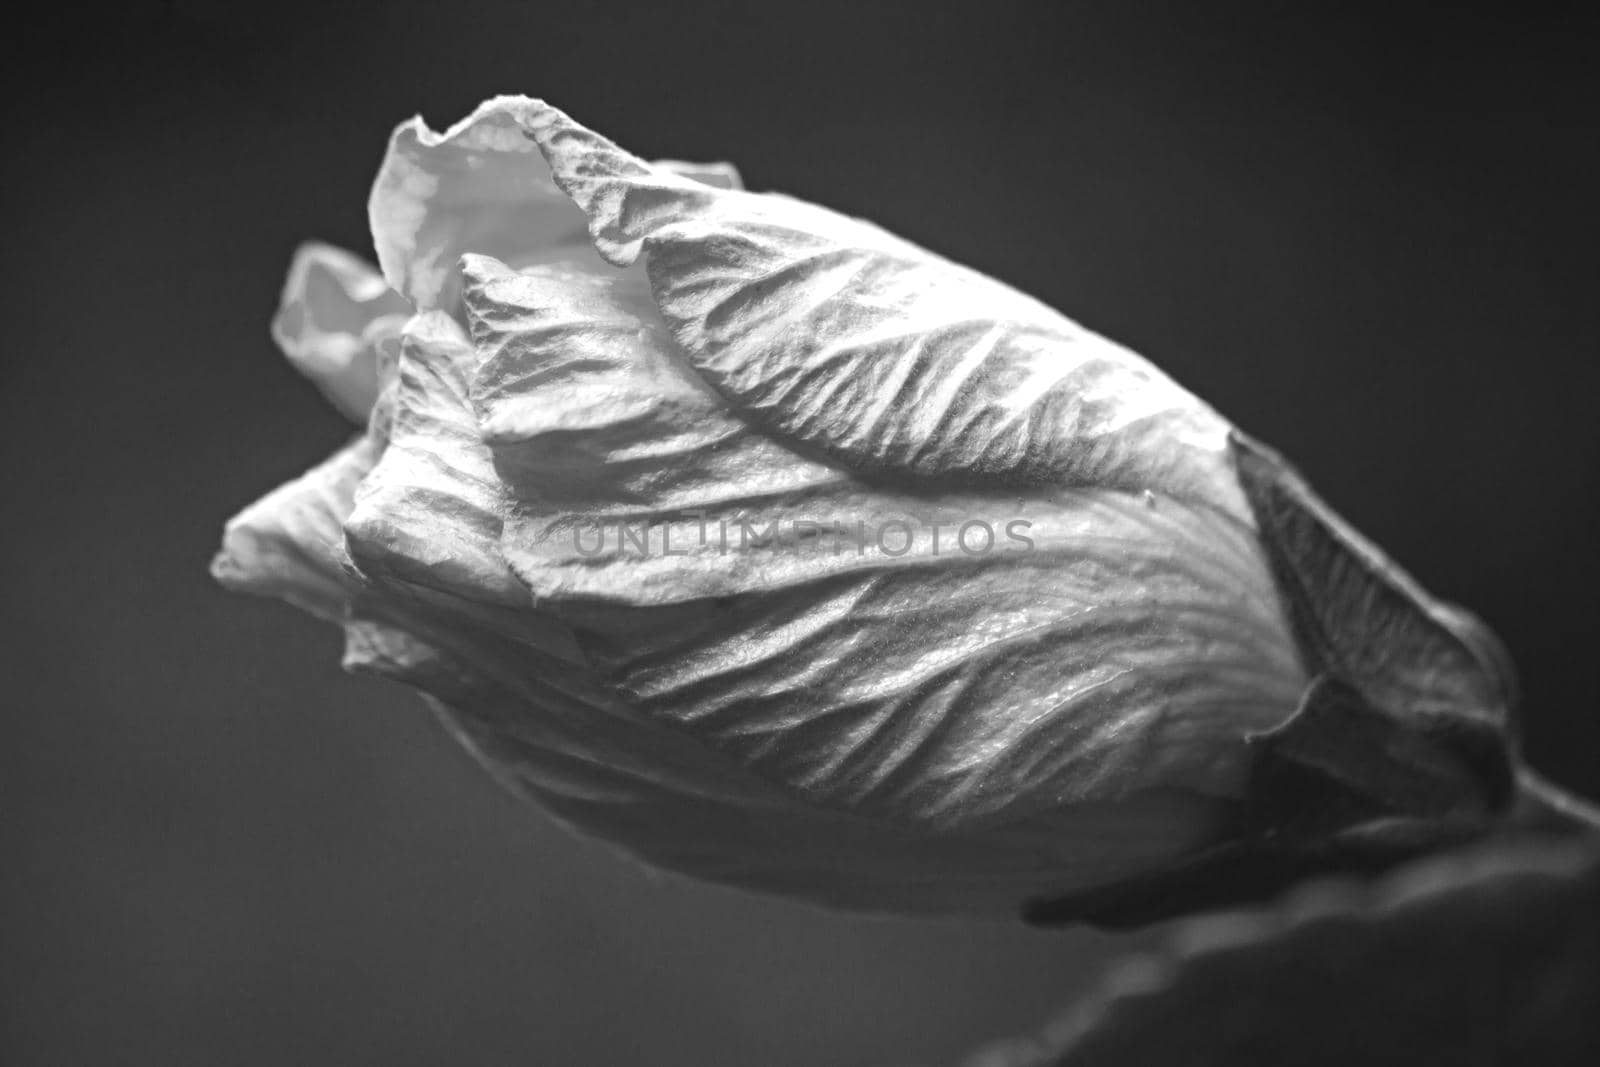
(781, 552)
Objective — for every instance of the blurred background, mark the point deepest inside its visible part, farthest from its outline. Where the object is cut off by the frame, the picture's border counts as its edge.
(1368, 239)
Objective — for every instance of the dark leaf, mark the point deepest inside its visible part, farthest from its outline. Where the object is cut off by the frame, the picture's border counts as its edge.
(1483, 956)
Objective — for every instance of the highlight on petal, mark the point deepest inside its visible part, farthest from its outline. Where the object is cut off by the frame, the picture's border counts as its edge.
(334, 313)
(480, 186)
(886, 358)
(1401, 744)
(659, 796)
(1114, 646)
(290, 543)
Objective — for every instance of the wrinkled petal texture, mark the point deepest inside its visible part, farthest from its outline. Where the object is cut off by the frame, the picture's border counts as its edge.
(950, 689)
(599, 518)
(477, 187)
(889, 360)
(290, 543)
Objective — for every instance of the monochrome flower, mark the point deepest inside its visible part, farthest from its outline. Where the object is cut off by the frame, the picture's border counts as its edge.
(782, 552)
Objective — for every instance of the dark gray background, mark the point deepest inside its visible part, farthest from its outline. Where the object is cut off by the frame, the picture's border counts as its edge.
(1370, 240)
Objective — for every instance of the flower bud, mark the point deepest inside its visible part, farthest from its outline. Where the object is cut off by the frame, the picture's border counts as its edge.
(781, 552)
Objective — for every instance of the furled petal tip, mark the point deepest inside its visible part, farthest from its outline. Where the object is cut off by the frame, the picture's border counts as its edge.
(479, 187)
(289, 544)
(334, 314)
(781, 552)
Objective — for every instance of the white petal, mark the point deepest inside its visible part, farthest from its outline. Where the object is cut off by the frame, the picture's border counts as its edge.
(1127, 645)
(290, 543)
(480, 186)
(334, 313)
(890, 360)
(657, 795)
(425, 525)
